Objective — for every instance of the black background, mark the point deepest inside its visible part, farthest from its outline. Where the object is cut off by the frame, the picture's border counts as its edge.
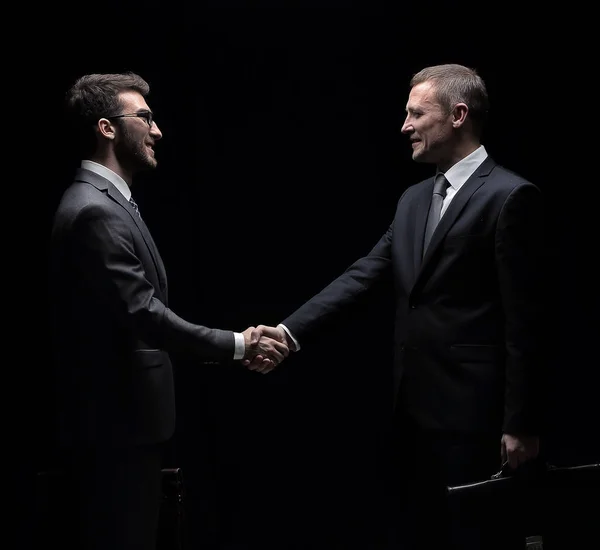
(281, 163)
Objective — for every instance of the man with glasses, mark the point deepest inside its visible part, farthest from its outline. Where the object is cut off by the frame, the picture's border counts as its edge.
(112, 326)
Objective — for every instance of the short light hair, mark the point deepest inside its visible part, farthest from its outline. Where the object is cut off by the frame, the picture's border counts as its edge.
(457, 84)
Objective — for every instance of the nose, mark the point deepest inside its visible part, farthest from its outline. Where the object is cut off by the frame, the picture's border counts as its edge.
(155, 131)
(406, 127)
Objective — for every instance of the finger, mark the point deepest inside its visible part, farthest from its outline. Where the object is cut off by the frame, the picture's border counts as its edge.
(503, 454)
(273, 332)
(266, 366)
(260, 364)
(513, 459)
(272, 365)
(275, 356)
(271, 344)
(281, 348)
(256, 362)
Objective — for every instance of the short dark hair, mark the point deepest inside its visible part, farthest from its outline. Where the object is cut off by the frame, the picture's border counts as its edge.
(94, 96)
(457, 84)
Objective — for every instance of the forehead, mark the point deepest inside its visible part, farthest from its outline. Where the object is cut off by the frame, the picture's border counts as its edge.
(422, 96)
(133, 101)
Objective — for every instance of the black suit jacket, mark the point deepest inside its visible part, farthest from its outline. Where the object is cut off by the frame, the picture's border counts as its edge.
(112, 327)
(468, 316)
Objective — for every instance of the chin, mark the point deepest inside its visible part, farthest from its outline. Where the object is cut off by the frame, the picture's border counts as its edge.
(424, 157)
(151, 163)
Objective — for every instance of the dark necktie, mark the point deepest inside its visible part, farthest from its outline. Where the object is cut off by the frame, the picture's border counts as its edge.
(439, 192)
(135, 206)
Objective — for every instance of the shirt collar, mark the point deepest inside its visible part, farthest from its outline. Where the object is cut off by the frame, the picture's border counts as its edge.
(463, 169)
(111, 176)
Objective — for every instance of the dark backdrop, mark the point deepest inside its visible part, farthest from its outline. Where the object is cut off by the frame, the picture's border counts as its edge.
(281, 163)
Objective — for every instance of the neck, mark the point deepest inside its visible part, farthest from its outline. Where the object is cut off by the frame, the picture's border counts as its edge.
(113, 164)
(462, 150)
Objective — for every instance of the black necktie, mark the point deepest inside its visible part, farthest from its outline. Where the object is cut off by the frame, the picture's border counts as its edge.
(439, 192)
(135, 206)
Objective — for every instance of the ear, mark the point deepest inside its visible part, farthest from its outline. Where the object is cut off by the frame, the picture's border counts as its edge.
(459, 114)
(106, 128)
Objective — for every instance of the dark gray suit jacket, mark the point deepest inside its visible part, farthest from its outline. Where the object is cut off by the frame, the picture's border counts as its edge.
(112, 329)
(468, 314)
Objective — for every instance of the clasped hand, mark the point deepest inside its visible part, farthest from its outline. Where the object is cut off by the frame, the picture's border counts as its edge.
(266, 347)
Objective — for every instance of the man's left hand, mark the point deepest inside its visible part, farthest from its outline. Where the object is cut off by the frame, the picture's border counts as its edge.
(517, 449)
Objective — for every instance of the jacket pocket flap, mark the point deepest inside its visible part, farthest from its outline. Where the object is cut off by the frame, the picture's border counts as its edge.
(467, 352)
(148, 358)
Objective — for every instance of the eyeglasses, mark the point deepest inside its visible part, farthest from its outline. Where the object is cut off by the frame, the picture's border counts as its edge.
(147, 115)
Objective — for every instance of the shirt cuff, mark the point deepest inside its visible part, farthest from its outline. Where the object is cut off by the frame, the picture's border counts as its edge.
(297, 348)
(240, 346)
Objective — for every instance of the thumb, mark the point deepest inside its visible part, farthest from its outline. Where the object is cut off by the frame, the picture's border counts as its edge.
(255, 335)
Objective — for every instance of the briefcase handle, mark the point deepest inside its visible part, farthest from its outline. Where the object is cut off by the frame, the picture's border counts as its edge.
(543, 468)
(505, 471)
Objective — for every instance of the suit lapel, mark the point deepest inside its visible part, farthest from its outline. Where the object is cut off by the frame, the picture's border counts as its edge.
(421, 223)
(458, 203)
(158, 263)
(103, 184)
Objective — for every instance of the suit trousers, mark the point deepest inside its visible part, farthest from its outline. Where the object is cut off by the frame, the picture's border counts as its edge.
(116, 497)
(423, 464)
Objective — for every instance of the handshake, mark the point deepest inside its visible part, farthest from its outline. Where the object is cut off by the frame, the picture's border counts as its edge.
(266, 347)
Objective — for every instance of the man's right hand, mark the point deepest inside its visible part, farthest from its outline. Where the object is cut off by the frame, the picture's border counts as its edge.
(266, 347)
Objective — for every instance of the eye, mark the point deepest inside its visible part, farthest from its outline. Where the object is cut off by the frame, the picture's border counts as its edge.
(147, 116)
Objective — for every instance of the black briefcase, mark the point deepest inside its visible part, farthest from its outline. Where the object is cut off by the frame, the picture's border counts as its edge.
(52, 523)
(557, 507)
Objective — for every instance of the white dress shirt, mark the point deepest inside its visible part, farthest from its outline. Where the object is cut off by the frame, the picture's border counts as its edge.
(460, 173)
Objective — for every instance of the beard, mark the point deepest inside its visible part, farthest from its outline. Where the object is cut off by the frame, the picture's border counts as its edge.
(132, 153)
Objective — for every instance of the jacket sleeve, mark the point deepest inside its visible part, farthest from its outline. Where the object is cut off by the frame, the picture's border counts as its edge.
(105, 244)
(519, 253)
(343, 291)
